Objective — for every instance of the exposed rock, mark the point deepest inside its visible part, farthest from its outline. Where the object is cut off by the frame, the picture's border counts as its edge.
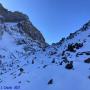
(32, 31)
(23, 22)
(12, 16)
(50, 81)
(69, 65)
(87, 60)
(1, 19)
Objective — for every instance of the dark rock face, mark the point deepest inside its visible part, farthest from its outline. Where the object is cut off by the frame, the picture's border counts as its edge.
(24, 23)
(32, 31)
(12, 16)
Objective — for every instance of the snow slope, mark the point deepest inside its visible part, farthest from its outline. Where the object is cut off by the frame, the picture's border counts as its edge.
(25, 65)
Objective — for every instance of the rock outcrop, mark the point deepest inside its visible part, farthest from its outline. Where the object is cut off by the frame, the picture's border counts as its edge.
(23, 22)
(61, 66)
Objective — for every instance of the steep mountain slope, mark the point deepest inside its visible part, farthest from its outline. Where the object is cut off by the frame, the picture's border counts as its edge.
(23, 23)
(28, 63)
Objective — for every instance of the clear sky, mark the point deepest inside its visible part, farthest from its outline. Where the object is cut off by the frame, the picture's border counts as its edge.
(54, 18)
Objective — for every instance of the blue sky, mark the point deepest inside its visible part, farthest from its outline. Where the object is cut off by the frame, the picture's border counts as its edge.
(54, 18)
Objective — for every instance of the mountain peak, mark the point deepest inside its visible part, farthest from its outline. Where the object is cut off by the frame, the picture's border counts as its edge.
(12, 16)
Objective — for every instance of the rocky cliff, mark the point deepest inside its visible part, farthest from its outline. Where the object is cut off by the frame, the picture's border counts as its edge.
(23, 23)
